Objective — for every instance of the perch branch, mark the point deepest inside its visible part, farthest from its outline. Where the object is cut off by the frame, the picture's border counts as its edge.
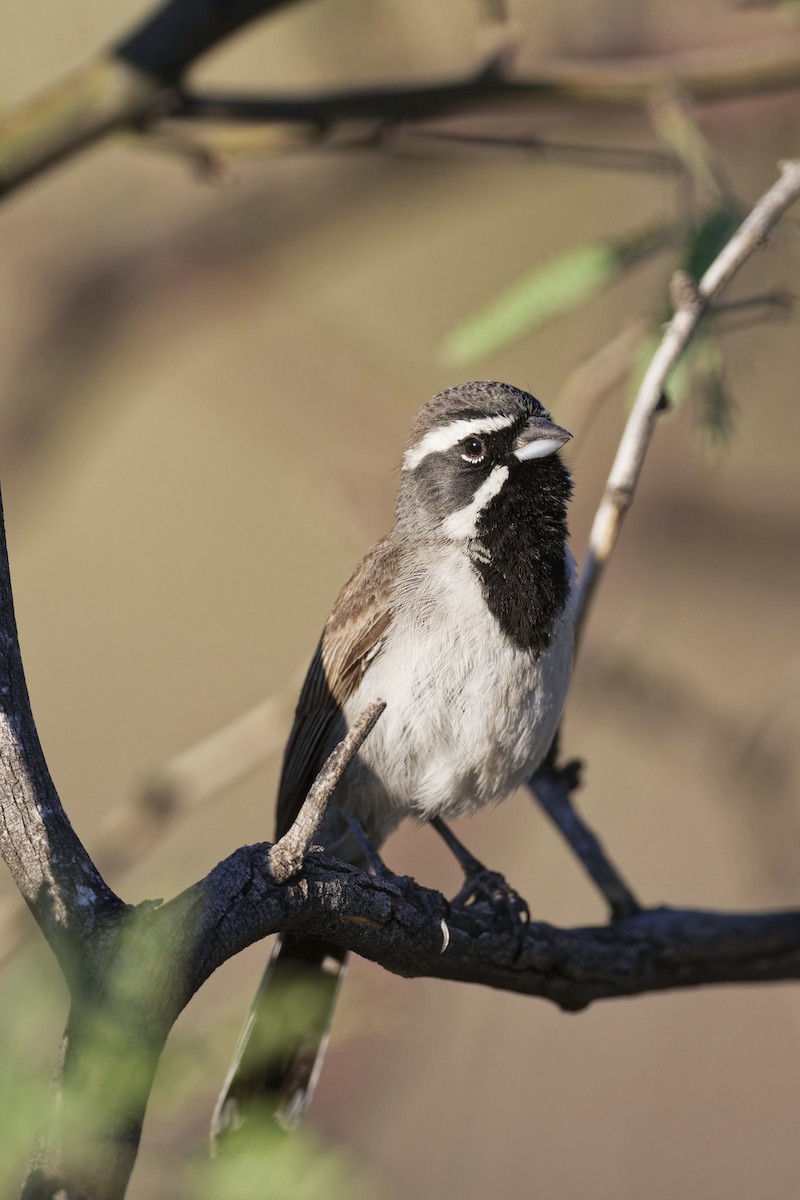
(398, 925)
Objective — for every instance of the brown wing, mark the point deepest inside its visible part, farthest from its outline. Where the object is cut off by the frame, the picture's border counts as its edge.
(351, 637)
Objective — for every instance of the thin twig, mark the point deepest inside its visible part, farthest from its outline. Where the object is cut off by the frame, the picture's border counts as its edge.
(582, 154)
(287, 855)
(704, 75)
(551, 786)
(690, 302)
(593, 378)
(206, 769)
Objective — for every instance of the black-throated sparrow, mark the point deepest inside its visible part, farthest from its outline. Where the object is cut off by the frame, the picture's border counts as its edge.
(461, 619)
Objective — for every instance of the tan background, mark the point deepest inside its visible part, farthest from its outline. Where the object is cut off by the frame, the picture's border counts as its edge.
(204, 392)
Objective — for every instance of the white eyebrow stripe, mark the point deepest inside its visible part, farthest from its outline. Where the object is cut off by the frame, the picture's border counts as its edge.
(436, 441)
(464, 523)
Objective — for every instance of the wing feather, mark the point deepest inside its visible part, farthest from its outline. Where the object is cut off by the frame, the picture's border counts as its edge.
(352, 637)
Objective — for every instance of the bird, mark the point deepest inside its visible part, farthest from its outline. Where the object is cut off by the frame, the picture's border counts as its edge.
(461, 619)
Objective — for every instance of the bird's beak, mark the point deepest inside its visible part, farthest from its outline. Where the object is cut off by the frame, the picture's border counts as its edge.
(539, 438)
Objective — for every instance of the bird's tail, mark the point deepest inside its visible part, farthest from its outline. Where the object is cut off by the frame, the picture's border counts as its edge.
(280, 1050)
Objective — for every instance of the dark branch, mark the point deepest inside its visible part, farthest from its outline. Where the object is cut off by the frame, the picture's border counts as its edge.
(129, 85)
(707, 75)
(181, 31)
(137, 82)
(398, 924)
(552, 787)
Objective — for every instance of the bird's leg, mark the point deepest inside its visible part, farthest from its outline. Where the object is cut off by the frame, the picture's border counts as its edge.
(480, 883)
(374, 860)
(429, 901)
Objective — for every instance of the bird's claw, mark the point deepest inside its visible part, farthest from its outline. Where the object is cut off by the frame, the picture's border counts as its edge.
(490, 887)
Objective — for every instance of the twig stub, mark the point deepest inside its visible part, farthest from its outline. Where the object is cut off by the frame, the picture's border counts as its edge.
(286, 857)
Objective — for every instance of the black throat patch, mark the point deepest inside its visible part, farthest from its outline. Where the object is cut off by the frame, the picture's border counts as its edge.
(520, 553)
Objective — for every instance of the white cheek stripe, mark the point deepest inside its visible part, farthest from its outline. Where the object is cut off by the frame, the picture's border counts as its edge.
(436, 441)
(463, 524)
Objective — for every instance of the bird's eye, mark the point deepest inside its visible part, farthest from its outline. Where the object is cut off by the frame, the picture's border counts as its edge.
(473, 449)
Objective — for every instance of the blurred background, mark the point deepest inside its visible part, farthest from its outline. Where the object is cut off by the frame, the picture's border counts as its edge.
(205, 387)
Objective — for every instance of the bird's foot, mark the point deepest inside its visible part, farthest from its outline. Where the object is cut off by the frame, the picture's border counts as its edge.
(483, 886)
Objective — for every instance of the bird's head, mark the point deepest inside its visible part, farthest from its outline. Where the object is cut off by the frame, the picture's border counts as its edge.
(472, 450)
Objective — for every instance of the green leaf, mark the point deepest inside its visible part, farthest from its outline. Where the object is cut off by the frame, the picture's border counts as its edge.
(706, 237)
(715, 406)
(561, 284)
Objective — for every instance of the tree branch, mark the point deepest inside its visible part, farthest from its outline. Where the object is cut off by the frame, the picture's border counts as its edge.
(397, 924)
(179, 32)
(690, 303)
(131, 84)
(137, 82)
(705, 75)
(123, 1010)
(552, 787)
(58, 880)
(287, 856)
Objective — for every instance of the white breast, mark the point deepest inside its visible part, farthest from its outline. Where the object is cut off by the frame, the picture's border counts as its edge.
(468, 714)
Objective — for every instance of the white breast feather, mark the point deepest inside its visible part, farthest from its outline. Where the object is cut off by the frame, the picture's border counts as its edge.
(468, 714)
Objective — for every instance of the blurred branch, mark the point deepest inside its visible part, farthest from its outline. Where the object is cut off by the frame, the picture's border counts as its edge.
(706, 75)
(207, 768)
(129, 85)
(591, 380)
(179, 32)
(583, 154)
(690, 301)
(676, 126)
(140, 80)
